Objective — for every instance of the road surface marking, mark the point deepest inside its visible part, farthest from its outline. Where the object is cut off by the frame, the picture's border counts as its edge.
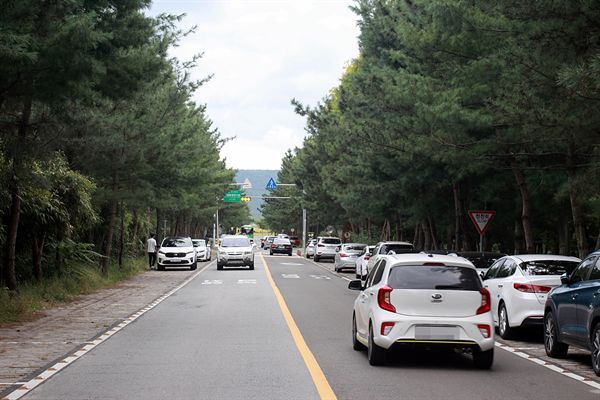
(330, 271)
(323, 388)
(319, 276)
(27, 387)
(291, 264)
(212, 282)
(548, 365)
(290, 276)
(246, 281)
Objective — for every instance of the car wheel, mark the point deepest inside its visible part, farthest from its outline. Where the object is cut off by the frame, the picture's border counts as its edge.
(553, 347)
(290, 254)
(375, 354)
(194, 266)
(160, 267)
(483, 359)
(356, 345)
(504, 329)
(270, 253)
(307, 256)
(251, 266)
(596, 348)
(219, 267)
(316, 258)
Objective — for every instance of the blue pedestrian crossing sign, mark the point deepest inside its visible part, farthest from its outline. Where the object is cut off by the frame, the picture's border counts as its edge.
(271, 185)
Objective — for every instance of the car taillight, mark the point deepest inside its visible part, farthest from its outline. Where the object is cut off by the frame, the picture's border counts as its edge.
(528, 288)
(273, 246)
(367, 257)
(383, 299)
(343, 255)
(485, 330)
(386, 327)
(434, 264)
(485, 301)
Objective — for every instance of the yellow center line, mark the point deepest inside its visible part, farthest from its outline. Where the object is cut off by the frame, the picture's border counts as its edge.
(323, 388)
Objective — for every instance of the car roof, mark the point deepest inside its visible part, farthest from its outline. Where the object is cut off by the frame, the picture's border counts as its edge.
(544, 257)
(236, 237)
(354, 244)
(328, 237)
(422, 258)
(394, 242)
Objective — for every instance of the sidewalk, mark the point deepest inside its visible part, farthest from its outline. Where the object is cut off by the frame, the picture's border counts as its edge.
(26, 348)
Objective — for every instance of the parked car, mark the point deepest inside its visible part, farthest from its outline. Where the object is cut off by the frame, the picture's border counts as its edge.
(235, 250)
(295, 241)
(383, 248)
(422, 300)
(268, 242)
(202, 249)
(177, 251)
(310, 248)
(326, 247)
(362, 262)
(572, 314)
(481, 260)
(347, 255)
(281, 245)
(519, 286)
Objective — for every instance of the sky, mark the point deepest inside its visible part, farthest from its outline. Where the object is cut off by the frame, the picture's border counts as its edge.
(263, 53)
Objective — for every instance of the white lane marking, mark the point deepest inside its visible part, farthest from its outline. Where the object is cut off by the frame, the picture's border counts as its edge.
(548, 365)
(320, 277)
(246, 281)
(212, 282)
(330, 271)
(290, 276)
(47, 374)
(290, 264)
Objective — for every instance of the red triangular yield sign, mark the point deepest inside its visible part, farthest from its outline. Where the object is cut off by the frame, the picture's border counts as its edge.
(481, 219)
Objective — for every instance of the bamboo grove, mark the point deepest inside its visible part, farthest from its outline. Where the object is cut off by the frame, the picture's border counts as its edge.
(454, 105)
(100, 141)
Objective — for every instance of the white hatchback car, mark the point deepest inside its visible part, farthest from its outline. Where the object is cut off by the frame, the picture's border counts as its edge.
(519, 286)
(202, 249)
(423, 299)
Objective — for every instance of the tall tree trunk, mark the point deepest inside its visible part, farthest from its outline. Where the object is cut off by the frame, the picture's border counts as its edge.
(122, 238)
(518, 237)
(563, 235)
(426, 235)
(457, 216)
(576, 206)
(37, 251)
(112, 219)
(526, 206)
(134, 233)
(597, 241)
(432, 231)
(11, 237)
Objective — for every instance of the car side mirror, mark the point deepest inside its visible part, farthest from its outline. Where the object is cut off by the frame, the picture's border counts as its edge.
(355, 285)
(564, 279)
(482, 273)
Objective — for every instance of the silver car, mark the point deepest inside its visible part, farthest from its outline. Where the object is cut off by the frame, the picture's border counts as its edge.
(310, 248)
(326, 247)
(235, 250)
(347, 255)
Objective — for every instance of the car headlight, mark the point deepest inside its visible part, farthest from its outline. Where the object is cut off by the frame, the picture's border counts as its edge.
(161, 252)
(190, 253)
(247, 253)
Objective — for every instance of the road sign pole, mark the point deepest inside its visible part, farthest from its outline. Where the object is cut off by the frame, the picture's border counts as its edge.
(481, 244)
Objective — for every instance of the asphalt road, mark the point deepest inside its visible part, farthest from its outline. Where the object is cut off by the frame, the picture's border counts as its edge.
(225, 336)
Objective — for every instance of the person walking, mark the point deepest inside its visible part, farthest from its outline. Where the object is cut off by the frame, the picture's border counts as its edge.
(151, 246)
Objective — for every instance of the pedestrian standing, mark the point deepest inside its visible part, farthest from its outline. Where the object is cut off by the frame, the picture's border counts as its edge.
(151, 246)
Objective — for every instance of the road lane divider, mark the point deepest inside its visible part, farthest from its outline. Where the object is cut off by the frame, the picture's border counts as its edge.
(321, 383)
(70, 358)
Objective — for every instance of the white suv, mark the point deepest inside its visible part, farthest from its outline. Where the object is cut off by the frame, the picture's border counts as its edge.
(423, 299)
(235, 250)
(326, 247)
(177, 251)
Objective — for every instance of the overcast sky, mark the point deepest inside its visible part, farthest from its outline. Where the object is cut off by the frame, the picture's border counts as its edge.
(263, 53)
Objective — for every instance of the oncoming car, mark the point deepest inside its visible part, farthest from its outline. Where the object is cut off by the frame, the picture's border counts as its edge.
(177, 251)
(235, 250)
(422, 300)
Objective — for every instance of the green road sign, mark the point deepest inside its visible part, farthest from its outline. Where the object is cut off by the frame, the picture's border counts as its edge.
(233, 196)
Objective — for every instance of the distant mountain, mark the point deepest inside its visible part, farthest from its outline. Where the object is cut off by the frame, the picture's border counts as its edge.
(258, 178)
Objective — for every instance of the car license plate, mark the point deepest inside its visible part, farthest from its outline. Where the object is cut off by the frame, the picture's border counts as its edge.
(436, 332)
(175, 260)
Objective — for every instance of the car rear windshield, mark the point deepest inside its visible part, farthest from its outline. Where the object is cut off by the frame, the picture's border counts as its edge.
(177, 242)
(548, 267)
(434, 277)
(281, 241)
(396, 248)
(354, 247)
(331, 241)
(235, 242)
(199, 243)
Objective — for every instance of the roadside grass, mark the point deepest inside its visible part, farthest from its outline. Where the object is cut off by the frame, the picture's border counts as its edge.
(77, 280)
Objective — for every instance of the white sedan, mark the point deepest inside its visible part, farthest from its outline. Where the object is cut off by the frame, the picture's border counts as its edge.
(422, 299)
(519, 286)
(202, 249)
(362, 263)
